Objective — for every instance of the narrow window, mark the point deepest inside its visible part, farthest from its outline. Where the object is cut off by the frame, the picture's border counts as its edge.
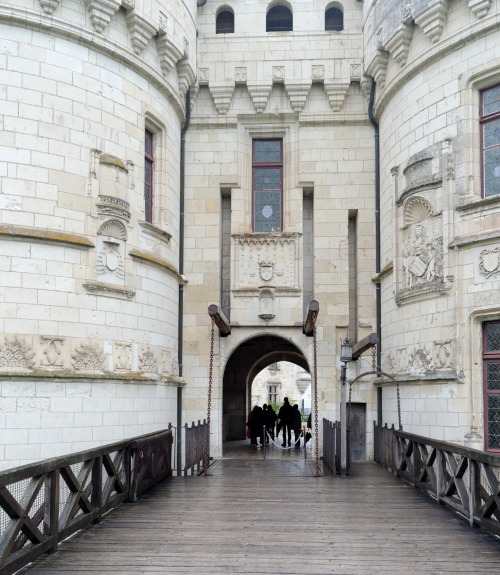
(267, 185)
(279, 19)
(491, 382)
(334, 19)
(490, 140)
(272, 394)
(224, 23)
(148, 176)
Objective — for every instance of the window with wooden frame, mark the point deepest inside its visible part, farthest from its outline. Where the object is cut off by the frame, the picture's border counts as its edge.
(267, 185)
(491, 384)
(148, 175)
(272, 393)
(490, 140)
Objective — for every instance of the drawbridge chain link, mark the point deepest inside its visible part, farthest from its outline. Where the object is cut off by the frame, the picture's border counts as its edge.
(315, 393)
(209, 408)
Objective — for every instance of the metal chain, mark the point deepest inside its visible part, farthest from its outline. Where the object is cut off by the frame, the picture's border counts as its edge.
(315, 386)
(399, 406)
(348, 416)
(210, 374)
(374, 357)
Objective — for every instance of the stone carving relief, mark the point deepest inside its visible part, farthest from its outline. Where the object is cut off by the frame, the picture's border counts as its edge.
(422, 245)
(88, 357)
(52, 352)
(420, 358)
(240, 75)
(166, 361)
(268, 260)
(49, 5)
(278, 74)
(16, 352)
(175, 366)
(266, 304)
(203, 76)
(489, 262)
(112, 206)
(110, 262)
(147, 361)
(318, 73)
(123, 356)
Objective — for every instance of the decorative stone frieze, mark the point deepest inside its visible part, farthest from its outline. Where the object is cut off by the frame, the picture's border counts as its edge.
(147, 361)
(108, 290)
(318, 73)
(259, 92)
(49, 5)
(52, 356)
(168, 53)
(110, 262)
(266, 260)
(123, 356)
(489, 262)
(336, 92)
(240, 75)
(115, 207)
(297, 93)
(101, 12)
(480, 7)
(420, 359)
(278, 74)
(203, 76)
(222, 94)
(356, 72)
(16, 353)
(399, 45)
(432, 19)
(141, 30)
(88, 357)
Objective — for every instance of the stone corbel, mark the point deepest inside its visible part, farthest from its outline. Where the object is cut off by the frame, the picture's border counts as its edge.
(479, 7)
(378, 67)
(101, 12)
(222, 94)
(168, 52)
(49, 5)
(185, 75)
(259, 92)
(399, 45)
(297, 93)
(336, 91)
(141, 31)
(432, 19)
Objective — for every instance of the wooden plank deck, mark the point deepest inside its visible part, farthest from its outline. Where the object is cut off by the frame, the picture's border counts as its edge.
(272, 517)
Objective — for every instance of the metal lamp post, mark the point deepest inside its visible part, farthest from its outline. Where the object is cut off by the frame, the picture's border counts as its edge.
(345, 358)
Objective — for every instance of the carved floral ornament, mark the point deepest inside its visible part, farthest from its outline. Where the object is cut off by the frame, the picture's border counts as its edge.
(420, 358)
(16, 352)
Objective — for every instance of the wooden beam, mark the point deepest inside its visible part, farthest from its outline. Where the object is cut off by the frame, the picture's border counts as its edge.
(312, 308)
(220, 319)
(366, 343)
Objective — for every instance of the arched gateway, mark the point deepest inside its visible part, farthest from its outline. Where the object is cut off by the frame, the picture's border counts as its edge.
(244, 363)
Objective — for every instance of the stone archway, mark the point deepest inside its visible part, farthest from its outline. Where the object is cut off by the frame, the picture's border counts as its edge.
(246, 361)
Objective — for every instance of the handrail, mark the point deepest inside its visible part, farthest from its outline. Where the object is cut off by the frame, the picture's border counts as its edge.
(465, 479)
(195, 442)
(43, 503)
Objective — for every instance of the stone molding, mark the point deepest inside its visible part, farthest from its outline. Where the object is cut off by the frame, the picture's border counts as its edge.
(399, 45)
(101, 12)
(46, 235)
(433, 19)
(49, 5)
(480, 7)
(45, 356)
(259, 92)
(141, 30)
(158, 261)
(109, 290)
(297, 93)
(336, 92)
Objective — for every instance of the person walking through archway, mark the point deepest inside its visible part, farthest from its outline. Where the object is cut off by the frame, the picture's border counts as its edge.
(285, 415)
(297, 424)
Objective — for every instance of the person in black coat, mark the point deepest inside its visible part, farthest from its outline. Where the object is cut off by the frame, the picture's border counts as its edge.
(285, 415)
(269, 420)
(296, 424)
(255, 423)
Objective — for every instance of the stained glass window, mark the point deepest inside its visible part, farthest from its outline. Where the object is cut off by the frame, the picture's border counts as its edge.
(267, 185)
(490, 136)
(148, 176)
(491, 364)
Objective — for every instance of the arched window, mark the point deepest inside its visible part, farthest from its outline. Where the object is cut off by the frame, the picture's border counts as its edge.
(224, 23)
(279, 19)
(334, 19)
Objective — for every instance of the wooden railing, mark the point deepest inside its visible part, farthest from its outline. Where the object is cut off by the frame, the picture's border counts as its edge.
(467, 480)
(195, 447)
(44, 503)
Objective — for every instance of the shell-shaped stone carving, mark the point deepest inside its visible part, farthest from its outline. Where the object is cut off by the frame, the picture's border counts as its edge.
(417, 210)
(113, 229)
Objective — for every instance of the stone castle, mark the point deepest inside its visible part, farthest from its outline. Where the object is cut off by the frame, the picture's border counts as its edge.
(159, 157)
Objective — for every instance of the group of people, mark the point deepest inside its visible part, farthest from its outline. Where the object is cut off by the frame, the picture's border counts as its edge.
(287, 419)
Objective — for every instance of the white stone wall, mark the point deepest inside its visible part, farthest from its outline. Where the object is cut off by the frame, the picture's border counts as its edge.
(428, 108)
(89, 291)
